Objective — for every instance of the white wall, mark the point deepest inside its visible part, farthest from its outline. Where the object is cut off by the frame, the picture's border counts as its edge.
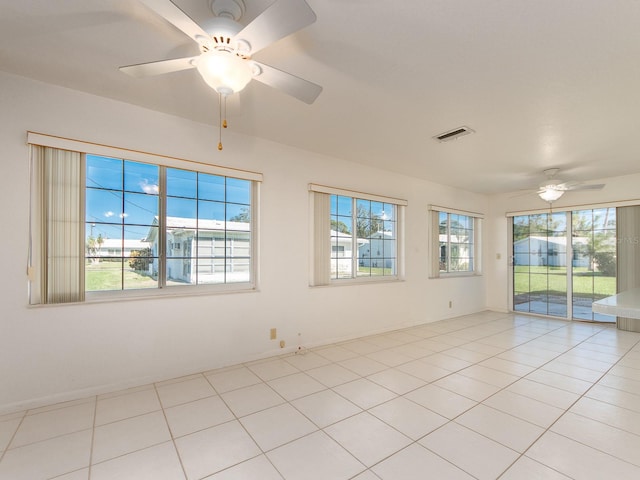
(617, 189)
(56, 353)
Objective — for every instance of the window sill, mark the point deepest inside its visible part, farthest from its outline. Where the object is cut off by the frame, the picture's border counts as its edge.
(171, 292)
(359, 281)
(456, 275)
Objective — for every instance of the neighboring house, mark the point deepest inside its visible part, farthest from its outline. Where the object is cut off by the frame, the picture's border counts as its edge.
(549, 251)
(377, 252)
(115, 247)
(342, 252)
(205, 251)
(460, 250)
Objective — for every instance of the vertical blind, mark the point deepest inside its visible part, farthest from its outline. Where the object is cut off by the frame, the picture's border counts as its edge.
(628, 253)
(59, 216)
(320, 241)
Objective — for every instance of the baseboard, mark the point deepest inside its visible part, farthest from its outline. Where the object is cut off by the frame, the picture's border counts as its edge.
(114, 387)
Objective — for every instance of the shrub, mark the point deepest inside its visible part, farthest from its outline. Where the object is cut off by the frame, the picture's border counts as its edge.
(140, 260)
(606, 262)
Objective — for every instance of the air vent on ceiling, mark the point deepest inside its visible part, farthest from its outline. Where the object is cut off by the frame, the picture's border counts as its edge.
(454, 134)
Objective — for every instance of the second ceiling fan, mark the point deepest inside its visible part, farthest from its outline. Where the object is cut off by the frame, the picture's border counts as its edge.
(553, 188)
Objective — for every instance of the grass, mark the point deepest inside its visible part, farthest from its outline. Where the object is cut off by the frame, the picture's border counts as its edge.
(553, 280)
(535, 280)
(375, 271)
(107, 275)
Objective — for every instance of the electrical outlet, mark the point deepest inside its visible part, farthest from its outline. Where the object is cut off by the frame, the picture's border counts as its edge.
(450, 303)
(282, 344)
(273, 334)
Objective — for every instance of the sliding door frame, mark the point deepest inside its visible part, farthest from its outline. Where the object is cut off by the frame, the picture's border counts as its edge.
(569, 251)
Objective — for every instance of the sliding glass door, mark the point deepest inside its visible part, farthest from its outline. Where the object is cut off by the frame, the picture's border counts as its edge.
(563, 262)
(594, 260)
(539, 264)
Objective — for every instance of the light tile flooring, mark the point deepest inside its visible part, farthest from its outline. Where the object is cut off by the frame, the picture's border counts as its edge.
(483, 396)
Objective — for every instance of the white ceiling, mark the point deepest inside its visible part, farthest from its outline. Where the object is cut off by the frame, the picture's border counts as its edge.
(545, 83)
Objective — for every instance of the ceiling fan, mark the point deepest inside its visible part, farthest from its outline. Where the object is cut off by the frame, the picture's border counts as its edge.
(553, 188)
(226, 47)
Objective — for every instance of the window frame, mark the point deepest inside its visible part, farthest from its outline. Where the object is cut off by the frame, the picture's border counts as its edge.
(435, 250)
(164, 163)
(321, 245)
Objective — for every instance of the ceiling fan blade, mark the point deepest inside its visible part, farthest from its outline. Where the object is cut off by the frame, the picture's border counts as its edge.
(158, 68)
(290, 84)
(282, 18)
(594, 186)
(172, 14)
(523, 193)
(562, 185)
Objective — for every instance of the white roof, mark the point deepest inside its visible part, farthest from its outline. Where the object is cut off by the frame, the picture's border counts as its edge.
(555, 240)
(347, 237)
(132, 244)
(193, 223)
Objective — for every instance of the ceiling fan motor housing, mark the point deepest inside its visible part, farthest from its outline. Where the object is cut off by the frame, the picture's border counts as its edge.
(221, 31)
(233, 9)
(551, 183)
(224, 25)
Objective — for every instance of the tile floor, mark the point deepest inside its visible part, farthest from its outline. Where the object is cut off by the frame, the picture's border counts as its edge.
(483, 396)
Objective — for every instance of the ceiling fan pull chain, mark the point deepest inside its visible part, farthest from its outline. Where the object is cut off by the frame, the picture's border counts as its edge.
(224, 120)
(219, 121)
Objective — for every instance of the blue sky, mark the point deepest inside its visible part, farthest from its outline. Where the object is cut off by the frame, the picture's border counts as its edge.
(122, 196)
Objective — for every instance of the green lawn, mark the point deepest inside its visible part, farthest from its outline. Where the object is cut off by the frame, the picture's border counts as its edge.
(585, 283)
(374, 271)
(109, 276)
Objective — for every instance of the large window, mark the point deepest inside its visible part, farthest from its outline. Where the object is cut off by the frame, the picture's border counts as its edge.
(363, 238)
(455, 239)
(356, 236)
(142, 227)
(456, 242)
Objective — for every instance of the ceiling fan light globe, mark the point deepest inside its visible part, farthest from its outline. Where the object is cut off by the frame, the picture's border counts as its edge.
(550, 194)
(224, 71)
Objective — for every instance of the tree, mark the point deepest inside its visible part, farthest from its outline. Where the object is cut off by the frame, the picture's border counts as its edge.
(600, 239)
(606, 262)
(244, 216)
(456, 229)
(366, 223)
(542, 225)
(140, 260)
(339, 226)
(93, 247)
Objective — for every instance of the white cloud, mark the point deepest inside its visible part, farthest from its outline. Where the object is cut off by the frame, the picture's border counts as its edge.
(149, 187)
